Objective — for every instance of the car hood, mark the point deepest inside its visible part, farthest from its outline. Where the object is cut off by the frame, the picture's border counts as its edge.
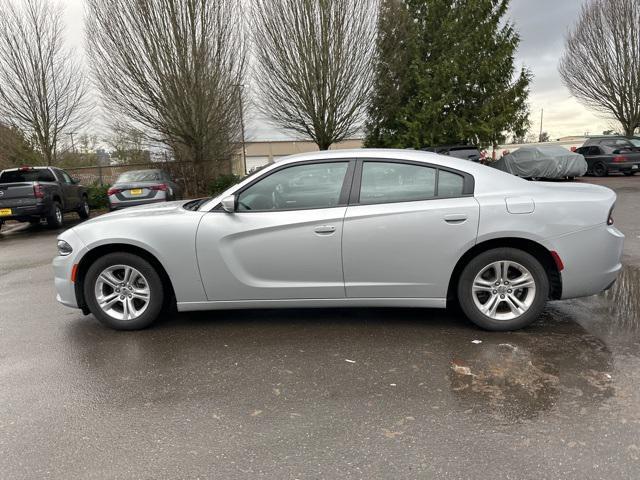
(150, 210)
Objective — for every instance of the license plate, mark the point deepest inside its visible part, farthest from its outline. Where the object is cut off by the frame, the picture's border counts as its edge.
(136, 191)
(5, 212)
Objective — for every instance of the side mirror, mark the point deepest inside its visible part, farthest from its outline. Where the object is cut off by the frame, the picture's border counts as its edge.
(75, 180)
(229, 204)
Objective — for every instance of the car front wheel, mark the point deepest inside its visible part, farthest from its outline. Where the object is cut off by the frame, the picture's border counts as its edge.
(123, 291)
(503, 289)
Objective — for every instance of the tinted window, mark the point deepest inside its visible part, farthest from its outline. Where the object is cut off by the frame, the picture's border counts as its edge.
(315, 185)
(65, 176)
(396, 182)
(140, 176)
(32, 175)
(450, 184)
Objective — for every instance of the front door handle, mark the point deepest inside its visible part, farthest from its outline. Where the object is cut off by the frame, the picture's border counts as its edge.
(455, 218)
(324, 229)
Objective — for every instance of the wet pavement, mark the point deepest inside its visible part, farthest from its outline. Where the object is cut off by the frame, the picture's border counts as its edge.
(349, 393)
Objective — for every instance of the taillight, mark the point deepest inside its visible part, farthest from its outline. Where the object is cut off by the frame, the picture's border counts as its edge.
(162, 187)
(610, 218)
(113, 191)
(38, 192)
(619, 159)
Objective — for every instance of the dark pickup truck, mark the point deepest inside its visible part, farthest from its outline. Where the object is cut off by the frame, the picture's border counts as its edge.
(29, 194)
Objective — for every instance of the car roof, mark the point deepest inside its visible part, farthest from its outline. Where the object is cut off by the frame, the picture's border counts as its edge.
(30, 167)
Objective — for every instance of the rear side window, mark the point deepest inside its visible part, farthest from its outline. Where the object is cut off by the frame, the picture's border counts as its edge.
(31, 175)
(399, 182)
(450, 184)
(396, 182)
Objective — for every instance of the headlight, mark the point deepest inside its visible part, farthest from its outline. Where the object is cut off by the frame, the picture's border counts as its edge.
(64, 248)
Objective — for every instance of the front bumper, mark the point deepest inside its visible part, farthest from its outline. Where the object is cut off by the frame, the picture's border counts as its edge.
(63, 270)
(592, 260)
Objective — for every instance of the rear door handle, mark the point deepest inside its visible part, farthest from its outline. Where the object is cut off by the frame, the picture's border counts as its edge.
(325, 229)
(455, 218)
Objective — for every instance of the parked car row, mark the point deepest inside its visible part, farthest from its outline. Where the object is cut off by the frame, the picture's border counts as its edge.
(611, 154)
(33, 194)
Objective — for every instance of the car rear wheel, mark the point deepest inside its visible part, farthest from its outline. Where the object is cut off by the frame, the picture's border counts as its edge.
(55, 218)
(503, 289)
(124, 291)
(600, 169)
(84, 210)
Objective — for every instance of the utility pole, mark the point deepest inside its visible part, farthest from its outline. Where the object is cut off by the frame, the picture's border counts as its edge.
(541, 118)
(244, 150)
(73, 145)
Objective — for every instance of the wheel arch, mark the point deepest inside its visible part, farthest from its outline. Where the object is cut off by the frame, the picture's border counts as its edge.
(542, 254)
(101, 250)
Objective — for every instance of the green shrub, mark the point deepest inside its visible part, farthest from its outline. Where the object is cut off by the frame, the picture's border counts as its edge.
(221, 183)
(97, 194)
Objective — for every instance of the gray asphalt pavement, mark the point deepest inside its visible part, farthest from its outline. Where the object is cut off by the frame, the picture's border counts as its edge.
(318, 394)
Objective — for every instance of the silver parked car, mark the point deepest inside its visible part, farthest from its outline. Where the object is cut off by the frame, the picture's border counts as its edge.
(141, 187)
(349, 228)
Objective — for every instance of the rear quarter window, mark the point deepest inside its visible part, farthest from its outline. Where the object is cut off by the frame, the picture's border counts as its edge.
(34, 175)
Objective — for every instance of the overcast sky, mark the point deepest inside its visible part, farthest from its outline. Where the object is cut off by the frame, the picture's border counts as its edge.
(542, 25)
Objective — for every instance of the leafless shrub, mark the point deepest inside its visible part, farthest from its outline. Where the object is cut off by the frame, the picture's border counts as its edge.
(173, 68)
(41, 86)
(601, 63)
(313, 64)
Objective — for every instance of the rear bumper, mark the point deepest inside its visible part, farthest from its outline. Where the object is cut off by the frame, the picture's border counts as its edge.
(23, 213)
(591, 259)
(624, 167)
(117, 205)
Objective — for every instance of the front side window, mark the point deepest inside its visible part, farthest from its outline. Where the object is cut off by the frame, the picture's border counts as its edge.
(316, 185)
(65, 176)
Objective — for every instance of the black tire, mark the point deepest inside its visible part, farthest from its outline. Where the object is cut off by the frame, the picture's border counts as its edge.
(84, 210)
(156, 291)
(478, 264)
(55, 219)
(600, 169)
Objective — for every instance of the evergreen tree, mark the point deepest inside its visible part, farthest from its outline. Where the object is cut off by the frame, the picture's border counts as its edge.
(445, 74)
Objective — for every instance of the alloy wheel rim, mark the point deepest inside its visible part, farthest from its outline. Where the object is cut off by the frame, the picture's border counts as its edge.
(58, 215)
(86, 207)
(504, 290)
(122, 292)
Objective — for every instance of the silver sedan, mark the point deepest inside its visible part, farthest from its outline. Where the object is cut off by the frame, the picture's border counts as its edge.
(349, 228)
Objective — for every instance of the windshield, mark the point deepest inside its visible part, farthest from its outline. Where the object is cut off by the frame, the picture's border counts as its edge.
(31, 175)
(140, 176)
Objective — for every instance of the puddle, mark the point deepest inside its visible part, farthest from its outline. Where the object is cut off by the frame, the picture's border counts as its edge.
(533, 372)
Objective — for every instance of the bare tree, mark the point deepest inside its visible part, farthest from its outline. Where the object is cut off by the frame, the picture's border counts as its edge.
(41, 86)
(314, 64)
(601, 63)
(173, 68)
